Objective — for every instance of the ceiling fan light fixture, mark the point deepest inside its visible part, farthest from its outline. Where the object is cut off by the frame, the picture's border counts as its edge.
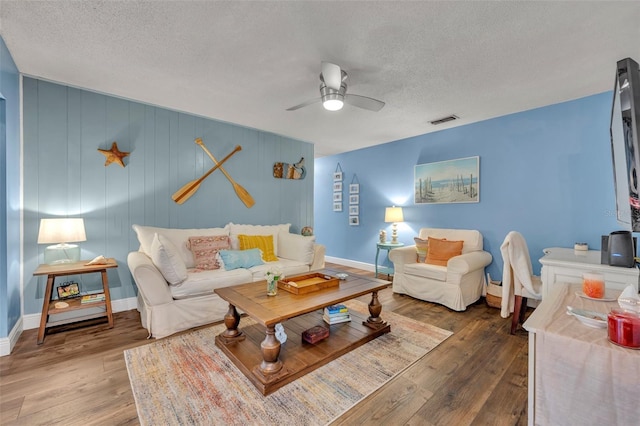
(332, 100)
(332, 104)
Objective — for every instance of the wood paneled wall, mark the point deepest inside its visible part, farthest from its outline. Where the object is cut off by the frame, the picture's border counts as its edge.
(64, 175)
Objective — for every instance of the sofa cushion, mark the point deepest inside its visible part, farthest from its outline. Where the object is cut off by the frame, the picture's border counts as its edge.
(178, 238)
(440, 251)
(296, 247)
(235, 230)
(421, 249)
(262, 242)
(167, 259)
(425, 270)
(205, 282)
(205, 250)
(234, 259)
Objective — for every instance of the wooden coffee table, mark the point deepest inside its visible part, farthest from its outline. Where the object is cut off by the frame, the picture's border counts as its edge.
(270, 365)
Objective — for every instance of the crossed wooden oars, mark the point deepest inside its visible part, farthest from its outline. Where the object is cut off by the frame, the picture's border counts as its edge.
(184, 193)
(242, 193)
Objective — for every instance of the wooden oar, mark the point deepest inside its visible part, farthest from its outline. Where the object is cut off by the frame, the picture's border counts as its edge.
(184, 193)
(242, 193)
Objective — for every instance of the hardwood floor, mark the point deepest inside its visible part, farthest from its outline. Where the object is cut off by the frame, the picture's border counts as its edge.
(476, 377)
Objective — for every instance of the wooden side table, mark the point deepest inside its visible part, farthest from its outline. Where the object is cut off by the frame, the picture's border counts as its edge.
(76, 268)
(388, 247)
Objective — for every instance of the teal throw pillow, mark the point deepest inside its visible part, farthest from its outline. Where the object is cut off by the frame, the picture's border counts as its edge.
(234, 259)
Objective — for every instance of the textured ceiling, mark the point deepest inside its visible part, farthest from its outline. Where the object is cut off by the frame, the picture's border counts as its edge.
(246, 62)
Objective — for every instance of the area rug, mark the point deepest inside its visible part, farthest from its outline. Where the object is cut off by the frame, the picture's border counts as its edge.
(186, 379)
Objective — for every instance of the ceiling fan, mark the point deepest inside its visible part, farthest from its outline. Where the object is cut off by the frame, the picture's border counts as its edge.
(333, 92)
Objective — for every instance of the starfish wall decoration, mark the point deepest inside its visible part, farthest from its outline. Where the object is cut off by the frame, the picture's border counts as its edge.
(114, 155)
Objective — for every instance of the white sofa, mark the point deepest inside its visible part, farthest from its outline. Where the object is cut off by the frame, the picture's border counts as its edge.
(456, 285)
(168, 308)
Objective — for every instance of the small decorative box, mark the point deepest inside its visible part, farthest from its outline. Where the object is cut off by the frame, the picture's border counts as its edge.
(315, 334)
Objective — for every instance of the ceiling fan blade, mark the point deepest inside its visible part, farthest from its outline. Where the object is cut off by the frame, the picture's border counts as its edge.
(364, 102)
(332, 75)
(304, 104)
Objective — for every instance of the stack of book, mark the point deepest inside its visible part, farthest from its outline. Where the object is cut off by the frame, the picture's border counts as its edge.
(92, 298)
(336, 314)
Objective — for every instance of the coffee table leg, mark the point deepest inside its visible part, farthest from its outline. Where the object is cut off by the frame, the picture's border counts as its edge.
(270, 348)
(374, 321)
(231, 321)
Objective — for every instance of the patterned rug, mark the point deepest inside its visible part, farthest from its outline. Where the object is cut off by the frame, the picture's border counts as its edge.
(186, 379)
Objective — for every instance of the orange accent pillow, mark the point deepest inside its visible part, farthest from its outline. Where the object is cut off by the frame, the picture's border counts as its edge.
(440, 251)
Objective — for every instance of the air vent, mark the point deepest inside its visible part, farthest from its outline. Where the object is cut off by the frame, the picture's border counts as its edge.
(444, 120)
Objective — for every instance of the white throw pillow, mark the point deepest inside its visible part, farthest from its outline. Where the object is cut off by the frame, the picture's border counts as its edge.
(178, 238)
(167, 259)
(235, 230)
(296, 247)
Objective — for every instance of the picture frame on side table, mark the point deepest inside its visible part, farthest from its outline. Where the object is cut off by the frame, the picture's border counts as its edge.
(68, 290)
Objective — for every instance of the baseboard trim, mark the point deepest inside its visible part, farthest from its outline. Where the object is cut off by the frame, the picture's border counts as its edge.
(31, 321)
(8, 343)
(351, 263)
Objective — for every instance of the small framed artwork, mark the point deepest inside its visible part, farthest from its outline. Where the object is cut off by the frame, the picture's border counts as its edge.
(354, 188)
(354, 220)
(354, 210)
(337, 207)
(337, 176)
(337, 196)
(337, 186)
(68, 290)
(353, 199)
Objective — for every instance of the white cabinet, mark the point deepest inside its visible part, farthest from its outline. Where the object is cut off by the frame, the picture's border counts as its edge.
(565, 265)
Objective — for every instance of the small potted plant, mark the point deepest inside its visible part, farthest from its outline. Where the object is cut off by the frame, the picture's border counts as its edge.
(272, 276)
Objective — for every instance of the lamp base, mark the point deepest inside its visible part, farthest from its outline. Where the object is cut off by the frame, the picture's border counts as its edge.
(61, 253)
(394, 233)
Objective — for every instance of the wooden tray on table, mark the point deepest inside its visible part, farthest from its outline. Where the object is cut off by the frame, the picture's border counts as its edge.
(302, 284)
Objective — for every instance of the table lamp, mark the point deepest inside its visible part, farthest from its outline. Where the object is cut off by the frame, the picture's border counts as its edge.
(393, 215)
(60, 232)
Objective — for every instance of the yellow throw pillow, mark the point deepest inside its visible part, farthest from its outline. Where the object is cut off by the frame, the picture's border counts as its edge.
(262, 242)
(440, 251)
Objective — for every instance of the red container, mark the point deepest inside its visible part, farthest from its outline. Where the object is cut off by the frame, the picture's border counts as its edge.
(624, 328)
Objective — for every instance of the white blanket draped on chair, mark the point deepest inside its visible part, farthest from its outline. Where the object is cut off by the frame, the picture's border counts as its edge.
(515, 255)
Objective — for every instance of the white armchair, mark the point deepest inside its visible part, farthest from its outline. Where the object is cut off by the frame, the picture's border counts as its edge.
(456, 285)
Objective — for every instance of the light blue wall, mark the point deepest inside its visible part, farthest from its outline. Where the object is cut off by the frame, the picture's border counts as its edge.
(546, 173)
(9, 192)
(65, 176)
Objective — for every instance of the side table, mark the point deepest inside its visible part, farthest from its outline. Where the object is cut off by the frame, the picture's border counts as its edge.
(388, 270)
(76, 268)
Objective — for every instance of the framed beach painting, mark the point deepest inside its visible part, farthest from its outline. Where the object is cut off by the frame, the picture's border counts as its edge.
(451, 181)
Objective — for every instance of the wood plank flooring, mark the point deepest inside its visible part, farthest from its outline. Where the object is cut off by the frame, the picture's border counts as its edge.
(476, 377)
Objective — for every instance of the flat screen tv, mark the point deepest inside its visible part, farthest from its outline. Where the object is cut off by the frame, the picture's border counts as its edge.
(625, 146)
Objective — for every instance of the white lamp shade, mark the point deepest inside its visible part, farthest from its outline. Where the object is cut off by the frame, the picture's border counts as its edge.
(393, 214)
(61, 230)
